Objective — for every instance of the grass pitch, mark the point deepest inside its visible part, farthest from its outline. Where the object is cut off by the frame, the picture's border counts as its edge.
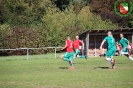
(42, 72)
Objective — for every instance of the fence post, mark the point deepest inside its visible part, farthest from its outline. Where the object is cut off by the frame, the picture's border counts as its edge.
(82, 51)
(95, 51)
(55, 52)
(27, 53)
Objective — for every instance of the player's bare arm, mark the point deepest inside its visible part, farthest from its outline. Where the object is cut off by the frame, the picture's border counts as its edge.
(82, 45)
(102, 44)
(64, 46)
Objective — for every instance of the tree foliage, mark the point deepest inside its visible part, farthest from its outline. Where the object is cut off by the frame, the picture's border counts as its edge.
(37, 23)
(90, 21)
(25, 12)
(105, 8)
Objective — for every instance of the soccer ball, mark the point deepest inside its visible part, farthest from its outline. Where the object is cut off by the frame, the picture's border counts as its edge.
(129, 47)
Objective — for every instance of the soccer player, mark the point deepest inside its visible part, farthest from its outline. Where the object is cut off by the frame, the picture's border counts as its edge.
(76, 45)
(69, 52)
(125, 43)
(118, 48)
(131, 48)
(111, 49)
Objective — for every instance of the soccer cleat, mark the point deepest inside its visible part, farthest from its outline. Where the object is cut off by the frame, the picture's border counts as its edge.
(85, 57)
(113, 63)
(71, 68)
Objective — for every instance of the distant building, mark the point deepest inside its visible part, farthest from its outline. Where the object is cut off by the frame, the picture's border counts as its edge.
(93, 39)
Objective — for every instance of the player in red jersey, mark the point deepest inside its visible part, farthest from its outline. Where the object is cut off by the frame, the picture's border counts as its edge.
(69, 52)
(76, 45)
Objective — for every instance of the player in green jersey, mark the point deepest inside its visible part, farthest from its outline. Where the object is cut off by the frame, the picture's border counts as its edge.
(111, 49)
(125, 50)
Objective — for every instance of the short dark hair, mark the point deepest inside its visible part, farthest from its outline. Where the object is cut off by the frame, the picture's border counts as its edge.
(122, 34)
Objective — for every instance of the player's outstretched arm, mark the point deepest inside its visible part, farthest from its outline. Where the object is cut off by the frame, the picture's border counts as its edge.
(64, 46)
(82, 45)
(102, 44)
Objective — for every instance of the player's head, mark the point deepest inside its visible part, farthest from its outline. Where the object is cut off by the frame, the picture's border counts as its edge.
(117, 43)
(109, 33)
(77, 37)
(121, 35)
(130, 43)
(68, 37)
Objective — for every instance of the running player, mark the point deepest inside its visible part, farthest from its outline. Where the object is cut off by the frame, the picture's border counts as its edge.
(111, 49)
(77, 44)
(69, 52)
(125, 43)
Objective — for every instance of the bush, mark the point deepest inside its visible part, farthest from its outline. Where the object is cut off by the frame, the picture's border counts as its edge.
(22, 37)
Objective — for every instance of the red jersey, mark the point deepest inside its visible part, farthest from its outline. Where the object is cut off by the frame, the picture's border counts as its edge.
(120, 47)
(117, 47)
(131, 46)
(77, 43)
(69, 47)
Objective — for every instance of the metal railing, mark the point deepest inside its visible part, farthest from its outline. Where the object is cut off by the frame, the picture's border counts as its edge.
(27, 56)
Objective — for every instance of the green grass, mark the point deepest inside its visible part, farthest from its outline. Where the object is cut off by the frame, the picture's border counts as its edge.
(41, 72)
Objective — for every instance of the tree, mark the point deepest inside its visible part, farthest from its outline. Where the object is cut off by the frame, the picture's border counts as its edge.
(37, 23)
(105, 8)
(87, 20)
(2, 13)
(58, 24)
(25, 12)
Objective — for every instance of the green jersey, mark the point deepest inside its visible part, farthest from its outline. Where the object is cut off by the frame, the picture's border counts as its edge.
(110, 41)
(123, 42)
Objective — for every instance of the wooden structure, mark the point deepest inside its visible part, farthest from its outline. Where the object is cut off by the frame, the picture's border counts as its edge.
(93, 39)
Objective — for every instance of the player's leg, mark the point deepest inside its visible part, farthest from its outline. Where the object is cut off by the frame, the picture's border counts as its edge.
(71, 58)
(129, 54)
(79, 56)
(109, 57)
(113, 63)
(126, 52)
(75, 53)
(131, 51)
(112, 59)
(65, 57)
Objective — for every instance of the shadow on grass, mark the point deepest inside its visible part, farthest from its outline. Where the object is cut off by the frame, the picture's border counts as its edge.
(78, 63)
(63, 67)
(101, 67)
(121, 63)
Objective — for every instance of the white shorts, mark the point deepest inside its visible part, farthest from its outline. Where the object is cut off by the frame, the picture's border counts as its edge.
(124, 52)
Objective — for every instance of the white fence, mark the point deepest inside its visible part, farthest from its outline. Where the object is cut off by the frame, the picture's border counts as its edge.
(27, 56)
